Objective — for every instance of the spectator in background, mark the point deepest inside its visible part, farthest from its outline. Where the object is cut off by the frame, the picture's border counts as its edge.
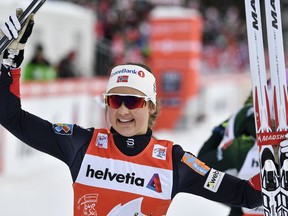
(232, 148)
(39, 68)
(66, 67)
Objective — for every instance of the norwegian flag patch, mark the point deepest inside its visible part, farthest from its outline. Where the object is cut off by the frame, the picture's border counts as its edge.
(122, 79)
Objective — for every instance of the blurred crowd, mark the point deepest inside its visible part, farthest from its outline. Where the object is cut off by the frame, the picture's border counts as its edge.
(122, 31)
(124, 27)
(39, 68)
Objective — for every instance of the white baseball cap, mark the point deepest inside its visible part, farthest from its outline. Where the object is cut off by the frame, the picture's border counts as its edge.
(133, 76)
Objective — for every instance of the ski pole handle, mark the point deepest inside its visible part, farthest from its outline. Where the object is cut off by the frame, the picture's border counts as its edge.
(33, 7)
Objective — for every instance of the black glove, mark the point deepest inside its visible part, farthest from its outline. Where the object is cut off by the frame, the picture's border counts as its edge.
(14, 54)
(220, 129)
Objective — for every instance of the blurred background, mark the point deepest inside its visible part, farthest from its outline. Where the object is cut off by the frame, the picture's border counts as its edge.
(197, 50)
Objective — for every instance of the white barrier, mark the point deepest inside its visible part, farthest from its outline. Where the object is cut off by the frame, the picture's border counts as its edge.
(224, 94)
(219, 95)
(67, 101)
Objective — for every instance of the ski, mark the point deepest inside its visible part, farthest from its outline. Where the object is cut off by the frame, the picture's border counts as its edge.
(271, 124)
(279, 87)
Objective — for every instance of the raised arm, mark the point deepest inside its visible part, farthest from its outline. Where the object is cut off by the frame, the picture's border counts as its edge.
(32, 130)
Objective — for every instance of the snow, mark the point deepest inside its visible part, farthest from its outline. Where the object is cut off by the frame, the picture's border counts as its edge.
(48, 192)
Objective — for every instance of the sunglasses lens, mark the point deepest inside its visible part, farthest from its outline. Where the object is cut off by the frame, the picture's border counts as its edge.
(131, 102)
(114, 101)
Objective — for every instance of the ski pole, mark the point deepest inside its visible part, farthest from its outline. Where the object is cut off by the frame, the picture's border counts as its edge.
(33, 7)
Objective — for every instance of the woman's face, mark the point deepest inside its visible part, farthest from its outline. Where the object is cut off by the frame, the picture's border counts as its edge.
(129, 122)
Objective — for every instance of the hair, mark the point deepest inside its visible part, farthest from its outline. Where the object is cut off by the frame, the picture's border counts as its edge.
(153, 117)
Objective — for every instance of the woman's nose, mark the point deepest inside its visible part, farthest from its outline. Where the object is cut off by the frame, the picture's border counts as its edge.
(123, 109)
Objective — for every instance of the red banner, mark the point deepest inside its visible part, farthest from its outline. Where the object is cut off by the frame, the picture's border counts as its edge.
(175, 43)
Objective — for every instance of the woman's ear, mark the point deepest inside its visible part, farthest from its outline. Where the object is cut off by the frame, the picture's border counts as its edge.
(152, 108)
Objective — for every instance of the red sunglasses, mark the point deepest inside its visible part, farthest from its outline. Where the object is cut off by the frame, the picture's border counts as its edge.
(130, 101)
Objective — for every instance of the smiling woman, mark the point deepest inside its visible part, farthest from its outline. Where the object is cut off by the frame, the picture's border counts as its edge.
(138, 86)
(122, 169)
(131, 99)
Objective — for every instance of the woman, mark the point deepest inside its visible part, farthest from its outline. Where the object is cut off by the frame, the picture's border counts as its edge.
(121, 170)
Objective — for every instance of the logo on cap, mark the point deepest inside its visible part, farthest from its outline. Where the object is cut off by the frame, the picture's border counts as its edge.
(141, 74)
